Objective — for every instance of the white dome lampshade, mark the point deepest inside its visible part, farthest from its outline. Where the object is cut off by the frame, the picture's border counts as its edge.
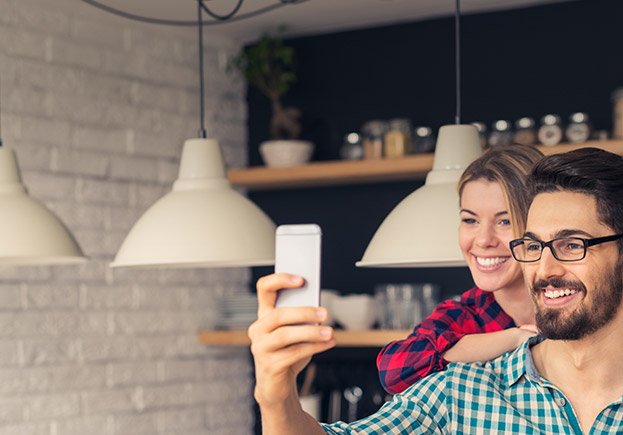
(30, 233)
(202, 222)
(422, 231)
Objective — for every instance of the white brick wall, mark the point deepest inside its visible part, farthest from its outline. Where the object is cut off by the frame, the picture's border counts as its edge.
(97, 108)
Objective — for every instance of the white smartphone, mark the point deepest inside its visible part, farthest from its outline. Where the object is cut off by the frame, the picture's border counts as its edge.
(297, 251)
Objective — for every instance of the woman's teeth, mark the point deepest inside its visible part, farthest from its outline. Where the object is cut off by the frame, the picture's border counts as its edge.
(554, 294)
(491, 261)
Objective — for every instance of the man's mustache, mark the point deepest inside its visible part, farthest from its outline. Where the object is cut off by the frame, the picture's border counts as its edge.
(557, 283)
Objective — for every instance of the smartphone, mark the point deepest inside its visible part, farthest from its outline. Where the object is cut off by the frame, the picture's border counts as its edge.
(297, 251)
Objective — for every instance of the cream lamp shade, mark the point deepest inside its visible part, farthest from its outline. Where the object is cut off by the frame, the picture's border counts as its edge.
(30, 234)
(202, 222)
(422, 231)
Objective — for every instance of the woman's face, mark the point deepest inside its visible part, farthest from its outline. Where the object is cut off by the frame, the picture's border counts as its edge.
(484, 233)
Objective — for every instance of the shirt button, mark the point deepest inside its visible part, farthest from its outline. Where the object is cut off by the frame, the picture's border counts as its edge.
(561, 402)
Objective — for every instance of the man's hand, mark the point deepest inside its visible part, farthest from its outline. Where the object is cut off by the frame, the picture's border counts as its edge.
(283, 341)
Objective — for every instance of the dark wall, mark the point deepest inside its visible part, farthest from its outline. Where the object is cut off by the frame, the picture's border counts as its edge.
(557, 58)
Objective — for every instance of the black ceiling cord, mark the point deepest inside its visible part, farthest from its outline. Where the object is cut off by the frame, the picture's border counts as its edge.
(457, 54)
(240, 17)
(202, 129)
(221, 17)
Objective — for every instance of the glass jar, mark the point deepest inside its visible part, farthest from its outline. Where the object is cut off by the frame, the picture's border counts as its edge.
(501, 134)
(550, 132)
(579, 129)
(398, 138)
(525, 131)
(617, 99)
(423, 140)
(482, 133)
(373, 133)
(352, 148)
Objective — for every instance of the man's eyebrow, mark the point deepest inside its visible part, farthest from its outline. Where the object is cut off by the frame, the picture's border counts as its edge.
(561, 233)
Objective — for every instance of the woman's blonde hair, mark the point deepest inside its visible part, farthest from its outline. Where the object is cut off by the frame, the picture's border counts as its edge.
(509, 166)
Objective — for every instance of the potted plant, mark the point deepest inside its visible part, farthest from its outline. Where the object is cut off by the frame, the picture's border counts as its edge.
(269, 66)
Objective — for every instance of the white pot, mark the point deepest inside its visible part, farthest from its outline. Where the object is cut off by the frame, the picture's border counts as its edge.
(283, 153)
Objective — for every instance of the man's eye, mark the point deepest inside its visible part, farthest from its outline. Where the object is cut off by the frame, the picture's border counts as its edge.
(533, 247)
(573, 246)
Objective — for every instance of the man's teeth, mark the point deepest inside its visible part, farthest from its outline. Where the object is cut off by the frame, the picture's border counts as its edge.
(491, 261)
(553, 294)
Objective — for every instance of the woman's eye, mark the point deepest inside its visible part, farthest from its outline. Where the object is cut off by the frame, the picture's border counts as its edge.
(505, 222)
(468, 220)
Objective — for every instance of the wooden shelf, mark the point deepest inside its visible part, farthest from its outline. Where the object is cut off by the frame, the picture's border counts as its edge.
(371, 338)
(332, 173)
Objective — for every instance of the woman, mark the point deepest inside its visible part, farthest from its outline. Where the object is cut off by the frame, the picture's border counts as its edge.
(495, 316)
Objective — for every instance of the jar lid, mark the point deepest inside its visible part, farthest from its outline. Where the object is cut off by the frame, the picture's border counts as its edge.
(375, 127)
(400, 123)
(524, 122)
(501, 125)
(550, 119)
(579, 117)
(423, 131)
(352, 137)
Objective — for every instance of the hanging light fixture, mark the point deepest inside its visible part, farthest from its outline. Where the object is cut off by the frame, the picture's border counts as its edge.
(422, 231)
(30, 233)
(202, 222)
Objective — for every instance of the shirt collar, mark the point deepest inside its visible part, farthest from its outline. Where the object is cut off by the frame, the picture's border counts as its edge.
(520, 362)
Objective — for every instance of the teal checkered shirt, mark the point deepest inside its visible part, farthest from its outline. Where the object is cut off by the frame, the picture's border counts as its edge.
(506, 395)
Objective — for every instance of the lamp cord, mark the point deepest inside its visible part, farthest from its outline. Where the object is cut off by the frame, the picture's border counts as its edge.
(202, 130)
(161, 21)
(457, 60)
(222, 17)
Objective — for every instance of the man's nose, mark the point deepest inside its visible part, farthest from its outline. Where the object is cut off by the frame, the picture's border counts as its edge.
(549, 266)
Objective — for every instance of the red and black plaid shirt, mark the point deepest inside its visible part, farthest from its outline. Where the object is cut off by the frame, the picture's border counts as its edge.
(404, 362)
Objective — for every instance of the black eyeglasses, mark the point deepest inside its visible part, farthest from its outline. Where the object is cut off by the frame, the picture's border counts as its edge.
(527, 250)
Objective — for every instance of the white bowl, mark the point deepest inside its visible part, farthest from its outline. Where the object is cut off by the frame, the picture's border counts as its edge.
(283, 153)
(356, 312)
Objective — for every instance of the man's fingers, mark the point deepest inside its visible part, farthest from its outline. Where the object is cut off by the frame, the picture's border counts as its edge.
(269, 285)
(529, 327)
(294, 335)
(279, 317)
(280, 361)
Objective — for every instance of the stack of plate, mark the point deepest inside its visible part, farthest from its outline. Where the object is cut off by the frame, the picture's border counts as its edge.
(236, 311)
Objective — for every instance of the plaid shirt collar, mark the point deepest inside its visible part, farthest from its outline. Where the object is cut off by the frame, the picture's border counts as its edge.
(520, 363)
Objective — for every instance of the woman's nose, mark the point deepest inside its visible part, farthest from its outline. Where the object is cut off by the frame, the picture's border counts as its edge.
(486, 237)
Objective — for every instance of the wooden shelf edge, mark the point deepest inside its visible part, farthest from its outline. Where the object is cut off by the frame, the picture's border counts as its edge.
(334, 173)
(371, 338)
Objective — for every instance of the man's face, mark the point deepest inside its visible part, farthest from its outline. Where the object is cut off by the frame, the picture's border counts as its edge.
(573, 299)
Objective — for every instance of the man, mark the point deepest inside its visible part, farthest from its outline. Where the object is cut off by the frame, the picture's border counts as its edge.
(568, 380)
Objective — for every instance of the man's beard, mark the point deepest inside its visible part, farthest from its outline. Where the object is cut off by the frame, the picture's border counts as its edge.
(558, 324)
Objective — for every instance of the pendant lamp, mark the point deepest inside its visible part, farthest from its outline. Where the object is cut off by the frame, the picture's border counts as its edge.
(203, 221)
(422, 231)
(30, 233)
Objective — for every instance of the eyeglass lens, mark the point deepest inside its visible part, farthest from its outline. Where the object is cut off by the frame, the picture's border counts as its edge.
(563, 249)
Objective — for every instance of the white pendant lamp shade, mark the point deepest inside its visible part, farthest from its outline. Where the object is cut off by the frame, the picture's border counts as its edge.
(202, 222)
(422, 231)
(30, 234)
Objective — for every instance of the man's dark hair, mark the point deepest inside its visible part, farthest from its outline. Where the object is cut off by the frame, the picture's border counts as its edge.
(587, 170)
